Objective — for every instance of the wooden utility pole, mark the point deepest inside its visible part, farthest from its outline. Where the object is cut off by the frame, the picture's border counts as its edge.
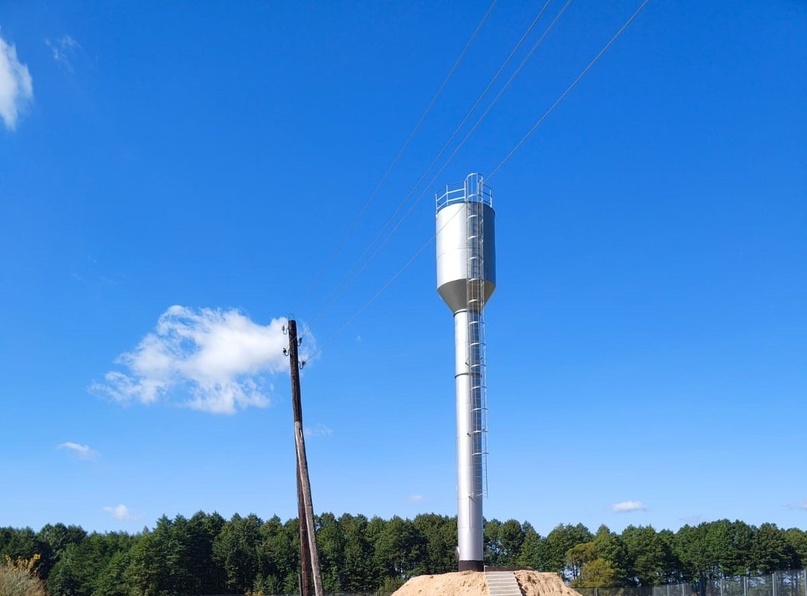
(310, 576)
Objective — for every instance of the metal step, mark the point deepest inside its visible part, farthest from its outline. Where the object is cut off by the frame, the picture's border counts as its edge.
(502, 583)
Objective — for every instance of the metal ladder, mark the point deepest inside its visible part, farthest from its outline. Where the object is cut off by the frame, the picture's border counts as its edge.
(475, 296)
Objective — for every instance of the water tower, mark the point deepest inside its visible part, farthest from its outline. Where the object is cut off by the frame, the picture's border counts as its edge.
(466, 277)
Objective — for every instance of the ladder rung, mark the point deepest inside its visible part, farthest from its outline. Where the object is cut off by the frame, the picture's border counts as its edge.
(475, 299)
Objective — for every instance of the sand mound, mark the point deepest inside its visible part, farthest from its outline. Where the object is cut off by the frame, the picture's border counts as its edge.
(472, 583)
(535, 583)
(445, 584)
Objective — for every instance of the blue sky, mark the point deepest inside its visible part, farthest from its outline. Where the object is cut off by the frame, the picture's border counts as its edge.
(174, 177)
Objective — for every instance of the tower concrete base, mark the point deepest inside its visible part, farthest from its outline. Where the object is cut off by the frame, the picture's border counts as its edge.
(471, 566)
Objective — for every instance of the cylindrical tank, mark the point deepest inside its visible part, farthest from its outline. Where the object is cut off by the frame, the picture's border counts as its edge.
(454, 248)
(466, 278)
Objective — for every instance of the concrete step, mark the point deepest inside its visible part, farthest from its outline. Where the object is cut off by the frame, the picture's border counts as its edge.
(502, 583)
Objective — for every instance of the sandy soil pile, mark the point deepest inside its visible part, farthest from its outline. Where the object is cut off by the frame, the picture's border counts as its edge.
(472, 583)
(535, 583)
(445, 584)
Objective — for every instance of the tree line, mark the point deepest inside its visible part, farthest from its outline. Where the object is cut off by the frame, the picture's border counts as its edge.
(207, 554)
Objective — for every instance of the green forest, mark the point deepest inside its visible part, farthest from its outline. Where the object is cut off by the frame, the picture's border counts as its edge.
(207, 554)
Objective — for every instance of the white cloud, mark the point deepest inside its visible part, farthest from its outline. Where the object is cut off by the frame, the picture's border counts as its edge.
(415, 498)
(220, 361)
(16, 87)
(121, 512)
(61, 49)
(693, 520)
(628, 506)
(318, 430)
(83, 451)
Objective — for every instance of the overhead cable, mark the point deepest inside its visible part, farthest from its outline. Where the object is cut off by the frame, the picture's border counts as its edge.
(361, 263)
(470, 132)
(353, 225)
(496, 169)
(568, 89)
(381, 291)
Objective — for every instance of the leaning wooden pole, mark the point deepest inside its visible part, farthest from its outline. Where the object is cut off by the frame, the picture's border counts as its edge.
(305, 558)
(309, 513)
(309, 556)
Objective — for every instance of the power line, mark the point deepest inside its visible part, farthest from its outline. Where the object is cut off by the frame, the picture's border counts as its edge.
(496, 169)
(470, 132)
(552, 107)
(381, 291)
(461, 124)
(371, 300)
(568, 89)
(468, 114)
(557, 101)
(361, 262)
(353, 225)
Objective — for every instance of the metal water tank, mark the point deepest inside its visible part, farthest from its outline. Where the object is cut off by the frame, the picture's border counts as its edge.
(466, 278)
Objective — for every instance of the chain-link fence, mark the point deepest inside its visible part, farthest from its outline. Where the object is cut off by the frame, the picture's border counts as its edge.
(779, 583)
(666, 590)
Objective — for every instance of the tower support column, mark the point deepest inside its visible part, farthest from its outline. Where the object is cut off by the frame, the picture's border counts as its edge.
(469, 448)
